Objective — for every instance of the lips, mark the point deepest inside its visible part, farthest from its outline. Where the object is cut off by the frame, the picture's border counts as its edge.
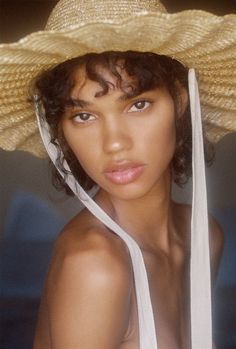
(124, 173)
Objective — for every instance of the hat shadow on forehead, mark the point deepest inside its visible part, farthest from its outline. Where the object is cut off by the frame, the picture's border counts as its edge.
(69, 13)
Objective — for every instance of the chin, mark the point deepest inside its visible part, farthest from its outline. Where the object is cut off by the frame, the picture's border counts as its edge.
(128, 192)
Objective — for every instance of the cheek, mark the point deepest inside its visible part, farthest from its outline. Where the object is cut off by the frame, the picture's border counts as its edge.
(85, 153)
(165, 146)
(82, 148)
(168, 136)
(161, 140)
(161, 131)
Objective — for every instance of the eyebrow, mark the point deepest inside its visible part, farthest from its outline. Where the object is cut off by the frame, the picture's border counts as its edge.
(81, 103)
(127, 96)
(77, 102)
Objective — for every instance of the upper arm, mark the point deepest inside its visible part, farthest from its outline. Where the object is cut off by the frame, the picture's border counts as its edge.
(88, 301)
(216, 245)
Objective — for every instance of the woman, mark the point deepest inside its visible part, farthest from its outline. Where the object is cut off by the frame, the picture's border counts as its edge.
(119, 119)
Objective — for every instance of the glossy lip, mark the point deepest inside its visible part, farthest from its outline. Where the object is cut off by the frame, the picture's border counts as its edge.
(124, 172)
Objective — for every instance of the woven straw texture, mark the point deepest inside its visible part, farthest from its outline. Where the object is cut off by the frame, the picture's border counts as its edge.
(198, 39)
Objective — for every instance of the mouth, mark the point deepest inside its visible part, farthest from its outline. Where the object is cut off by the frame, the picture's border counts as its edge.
(124, 173)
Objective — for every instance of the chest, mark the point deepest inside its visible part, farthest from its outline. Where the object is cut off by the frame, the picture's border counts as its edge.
(169, 290)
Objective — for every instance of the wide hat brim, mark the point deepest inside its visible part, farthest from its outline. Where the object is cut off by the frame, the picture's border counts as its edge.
(198, 39)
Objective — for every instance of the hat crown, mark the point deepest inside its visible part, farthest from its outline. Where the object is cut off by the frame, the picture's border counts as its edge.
(72, 13)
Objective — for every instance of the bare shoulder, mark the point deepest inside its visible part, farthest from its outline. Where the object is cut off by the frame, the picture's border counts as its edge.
(89, 247)
(216, 233)
(88, 288)
(216, 237)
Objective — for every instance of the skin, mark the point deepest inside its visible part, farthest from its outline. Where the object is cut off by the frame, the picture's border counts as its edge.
(89, 299)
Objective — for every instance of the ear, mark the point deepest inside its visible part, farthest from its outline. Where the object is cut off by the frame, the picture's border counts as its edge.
(183, 101)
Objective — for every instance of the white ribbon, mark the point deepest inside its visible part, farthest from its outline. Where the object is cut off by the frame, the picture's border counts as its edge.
(200, 284)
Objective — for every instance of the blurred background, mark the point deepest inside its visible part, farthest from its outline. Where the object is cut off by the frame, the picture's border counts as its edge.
(32, 212)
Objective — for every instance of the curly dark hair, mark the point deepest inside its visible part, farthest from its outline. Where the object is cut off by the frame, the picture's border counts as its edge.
(149, 71)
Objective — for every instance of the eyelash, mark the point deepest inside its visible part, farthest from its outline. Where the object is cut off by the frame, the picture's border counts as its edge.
(81, 121)
(146, 102)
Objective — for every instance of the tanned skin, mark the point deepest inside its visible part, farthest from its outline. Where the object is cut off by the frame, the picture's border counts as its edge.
(89, 297)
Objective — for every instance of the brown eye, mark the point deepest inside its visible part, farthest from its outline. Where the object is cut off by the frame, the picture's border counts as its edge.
(83, 117)
(140, 106)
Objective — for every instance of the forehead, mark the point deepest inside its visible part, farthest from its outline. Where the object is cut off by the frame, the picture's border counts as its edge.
(84, 86)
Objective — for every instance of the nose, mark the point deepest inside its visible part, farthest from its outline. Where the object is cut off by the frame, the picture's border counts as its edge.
(116, 136)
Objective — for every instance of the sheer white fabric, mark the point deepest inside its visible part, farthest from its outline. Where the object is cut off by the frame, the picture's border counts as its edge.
(200, 282)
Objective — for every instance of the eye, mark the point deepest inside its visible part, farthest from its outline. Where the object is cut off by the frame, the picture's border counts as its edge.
(83, 117)
(139, 106)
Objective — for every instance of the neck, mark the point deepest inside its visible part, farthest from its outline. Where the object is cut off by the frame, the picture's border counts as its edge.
(148, 219)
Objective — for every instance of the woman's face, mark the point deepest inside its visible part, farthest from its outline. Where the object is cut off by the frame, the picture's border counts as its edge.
(125, 144)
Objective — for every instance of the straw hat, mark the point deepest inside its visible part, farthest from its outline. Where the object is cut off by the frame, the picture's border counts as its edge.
(198, 39)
